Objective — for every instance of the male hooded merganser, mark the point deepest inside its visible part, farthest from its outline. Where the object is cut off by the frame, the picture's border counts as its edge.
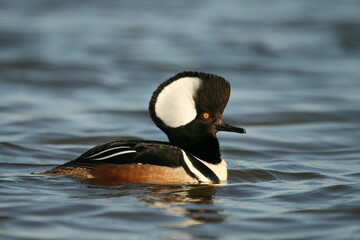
(188, 108)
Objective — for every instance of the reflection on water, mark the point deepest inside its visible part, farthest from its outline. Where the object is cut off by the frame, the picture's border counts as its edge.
(175, 200)
(74, 74)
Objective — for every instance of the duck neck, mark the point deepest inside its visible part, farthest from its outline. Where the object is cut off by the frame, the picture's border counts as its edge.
(205, 147)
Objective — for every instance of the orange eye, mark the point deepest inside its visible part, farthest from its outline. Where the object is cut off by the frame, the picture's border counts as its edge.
(205, 115)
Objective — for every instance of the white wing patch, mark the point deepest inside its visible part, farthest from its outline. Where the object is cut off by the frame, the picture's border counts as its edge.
(115, 154)
(107, 150)
(102, 155)
(175, 104)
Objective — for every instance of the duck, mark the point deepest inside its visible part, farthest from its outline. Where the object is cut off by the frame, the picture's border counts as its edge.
(188, 108)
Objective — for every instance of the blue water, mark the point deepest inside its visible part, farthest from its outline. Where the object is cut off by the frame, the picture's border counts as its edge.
(74, 74)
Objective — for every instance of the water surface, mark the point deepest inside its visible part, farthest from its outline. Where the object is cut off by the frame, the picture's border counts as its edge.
(74, 74)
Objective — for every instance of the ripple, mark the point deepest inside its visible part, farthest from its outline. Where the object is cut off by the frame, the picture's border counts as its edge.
(260, 175)
(78, 73)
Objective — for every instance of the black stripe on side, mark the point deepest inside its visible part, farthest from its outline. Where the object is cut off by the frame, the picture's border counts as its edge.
(188, 171)
(207, 172)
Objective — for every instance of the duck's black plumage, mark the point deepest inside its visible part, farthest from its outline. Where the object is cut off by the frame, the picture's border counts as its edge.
(132, 152)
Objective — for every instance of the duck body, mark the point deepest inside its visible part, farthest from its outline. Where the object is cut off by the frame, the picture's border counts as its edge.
(140, 161)
(188, 109)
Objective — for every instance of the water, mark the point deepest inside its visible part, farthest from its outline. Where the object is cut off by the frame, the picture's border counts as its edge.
(74, 74)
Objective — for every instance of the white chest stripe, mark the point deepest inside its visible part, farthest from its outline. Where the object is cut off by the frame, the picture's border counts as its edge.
(107, 150)
(115, 154)
(220, 170)
(198, 174)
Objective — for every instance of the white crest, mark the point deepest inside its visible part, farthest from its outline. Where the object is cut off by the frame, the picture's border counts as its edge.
(175, 104)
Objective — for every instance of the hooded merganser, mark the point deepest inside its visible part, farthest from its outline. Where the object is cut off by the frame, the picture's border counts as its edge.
(188, 109)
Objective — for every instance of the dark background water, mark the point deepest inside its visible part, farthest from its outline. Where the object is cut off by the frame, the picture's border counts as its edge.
(77, 73)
